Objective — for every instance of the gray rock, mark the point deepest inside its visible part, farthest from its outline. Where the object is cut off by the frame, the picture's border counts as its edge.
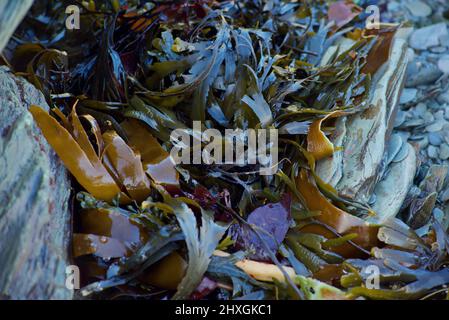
(443, 63)
(402, 154)
(429, 36)
(367, 133)
(435, 139)
(394, 146)
(408, 95)
(438, 50)
(422, 73)
(393, 189)
(436, 126)
(35, 228)
(400, 118)
(432, 152)
(419, 8)
(444, 151)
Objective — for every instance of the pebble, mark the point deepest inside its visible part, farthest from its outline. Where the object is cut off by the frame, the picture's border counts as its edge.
(445, 196)
(419, 8)
(439, 115)
(435, 138)
(444, 151)
(420, 110)
(422, 73)
(403, 153)
(443, 64)
(428, 117)
(400, 118)
(436, 126)
(439, 49)
(408, 95)
(429, 36)
(423, 143)
(394, 146)
(432, 152)
(446, 113)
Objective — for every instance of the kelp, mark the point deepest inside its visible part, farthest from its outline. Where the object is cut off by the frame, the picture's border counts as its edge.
(137, 70)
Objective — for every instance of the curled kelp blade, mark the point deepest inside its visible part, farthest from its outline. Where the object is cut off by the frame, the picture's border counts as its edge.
(317, 143)
(127, 165)
(341, 221)
(156, 161)
(93, 177)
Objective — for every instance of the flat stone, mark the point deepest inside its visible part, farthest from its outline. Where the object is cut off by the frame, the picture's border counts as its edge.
(435, 139)
(423, 143)
(34, 195)
(444, 151)
(402, 154)
(422, 73)
(394, 146)
(420, 109)
(443, 64)
(438, 50)
(424, 38)
(429, 117)
(436, 126)
(400, 118)
(393, 189)
(408, 95)
(444, 197)
(432, 152)
(419, 8)
(367, 133)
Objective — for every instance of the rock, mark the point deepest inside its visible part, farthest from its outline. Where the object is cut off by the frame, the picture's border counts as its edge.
(436, 126)
(419, 8)
(443, 64)
(422, 73)
(355, 173)
(424, 38)
(35, 227)
(393, 189)
(444, 152)
(408, 95)
(402, 154)
(394, 146)
(420, 110)
(438, 50)
(11, 13)
(432, 152)
(400, 118)
(435, 139)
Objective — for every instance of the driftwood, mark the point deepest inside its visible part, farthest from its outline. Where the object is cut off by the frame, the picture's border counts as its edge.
(34, 189)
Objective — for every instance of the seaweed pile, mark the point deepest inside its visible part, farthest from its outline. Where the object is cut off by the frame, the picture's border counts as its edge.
(147, 228)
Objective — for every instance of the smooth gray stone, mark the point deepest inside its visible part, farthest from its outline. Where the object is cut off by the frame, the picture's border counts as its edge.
(35, 219)
(435, 138)
(393, 189)
(424, 38)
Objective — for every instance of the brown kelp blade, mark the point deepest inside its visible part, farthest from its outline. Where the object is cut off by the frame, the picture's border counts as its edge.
(127, 165)
(93, 177)
(156, 161)
(339, 220)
